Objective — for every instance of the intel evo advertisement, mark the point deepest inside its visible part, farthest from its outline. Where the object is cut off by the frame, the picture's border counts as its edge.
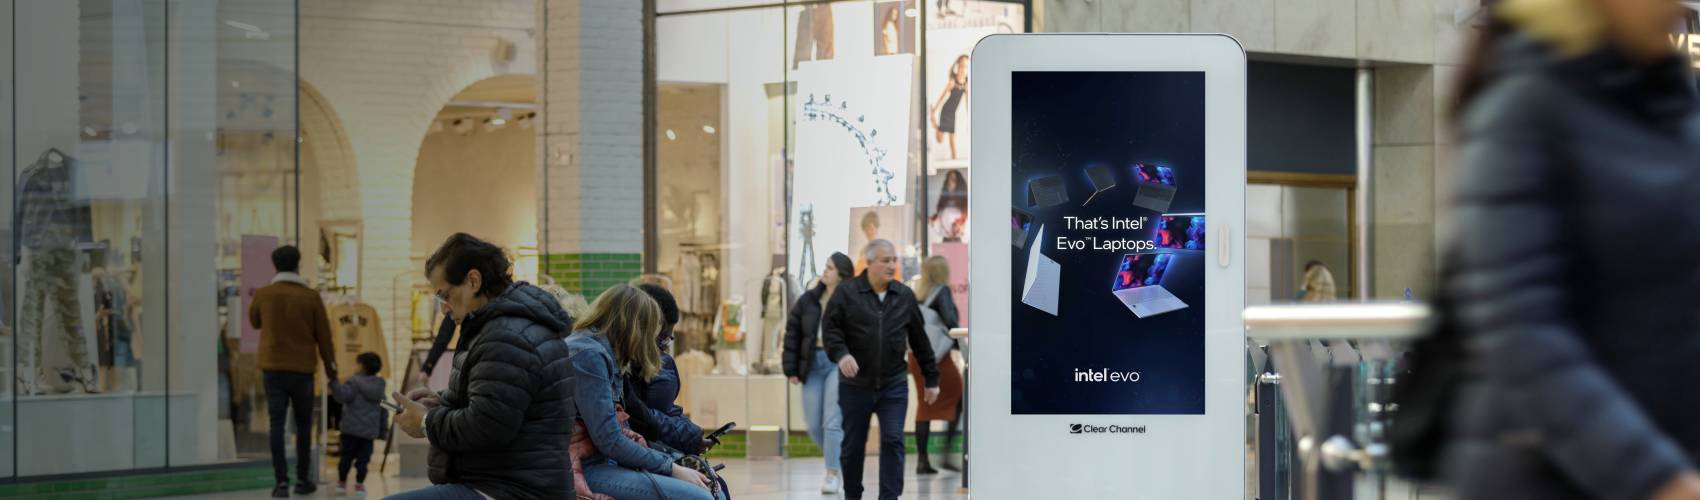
(1109, 232)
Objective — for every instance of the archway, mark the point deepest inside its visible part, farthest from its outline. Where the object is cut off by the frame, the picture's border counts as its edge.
(477, 171)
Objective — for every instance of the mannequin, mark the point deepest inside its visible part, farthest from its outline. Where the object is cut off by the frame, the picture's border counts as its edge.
(50, 223)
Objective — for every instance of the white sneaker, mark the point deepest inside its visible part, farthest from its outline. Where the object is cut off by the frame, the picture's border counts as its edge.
(832, 485)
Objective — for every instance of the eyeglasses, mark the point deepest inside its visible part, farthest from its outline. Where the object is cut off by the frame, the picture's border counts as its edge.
(442, 296)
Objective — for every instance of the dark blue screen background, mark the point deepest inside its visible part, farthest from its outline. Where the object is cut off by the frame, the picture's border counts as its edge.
(1063, 123)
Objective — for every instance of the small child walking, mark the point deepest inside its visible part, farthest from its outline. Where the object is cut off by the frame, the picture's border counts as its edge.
(363, 419)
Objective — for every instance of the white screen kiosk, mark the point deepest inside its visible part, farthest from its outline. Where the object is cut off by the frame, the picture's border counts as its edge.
(1108, 344)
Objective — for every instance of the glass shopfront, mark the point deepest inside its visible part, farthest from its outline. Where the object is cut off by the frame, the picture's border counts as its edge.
(152, 148)
(786, 132)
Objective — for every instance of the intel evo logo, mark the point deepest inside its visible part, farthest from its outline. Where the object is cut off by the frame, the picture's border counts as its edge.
(1105, 375)
(1113, 429)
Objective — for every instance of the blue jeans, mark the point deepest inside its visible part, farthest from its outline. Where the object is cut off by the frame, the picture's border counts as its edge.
(890, 403)
(613, 480)
(440, 492)
(820, 407)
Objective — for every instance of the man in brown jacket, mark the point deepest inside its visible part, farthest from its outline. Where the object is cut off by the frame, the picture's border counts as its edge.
(293, 324)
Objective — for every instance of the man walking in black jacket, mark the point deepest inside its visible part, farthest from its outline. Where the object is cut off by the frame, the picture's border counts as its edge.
(868, 321)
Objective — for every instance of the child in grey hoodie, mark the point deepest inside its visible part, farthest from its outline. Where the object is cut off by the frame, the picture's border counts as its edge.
(363, 420)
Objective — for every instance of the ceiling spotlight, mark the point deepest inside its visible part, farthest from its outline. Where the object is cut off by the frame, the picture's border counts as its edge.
(708, 129)
(498, 121)
(672, 136)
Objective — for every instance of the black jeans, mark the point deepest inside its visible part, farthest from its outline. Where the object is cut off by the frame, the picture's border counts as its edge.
(284, 389)
(356, 453)
(858, 404)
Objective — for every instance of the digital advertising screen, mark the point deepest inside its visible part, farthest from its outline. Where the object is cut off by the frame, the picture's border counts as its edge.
(1108, 263)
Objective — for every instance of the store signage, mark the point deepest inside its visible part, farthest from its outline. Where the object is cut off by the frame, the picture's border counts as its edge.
(1123, 181)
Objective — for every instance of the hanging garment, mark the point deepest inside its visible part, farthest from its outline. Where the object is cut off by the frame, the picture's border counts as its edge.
(356, 330)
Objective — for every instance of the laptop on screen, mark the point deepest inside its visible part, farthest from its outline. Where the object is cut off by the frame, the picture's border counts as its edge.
(1180, 232)
(1157, 186)
(1139, 284)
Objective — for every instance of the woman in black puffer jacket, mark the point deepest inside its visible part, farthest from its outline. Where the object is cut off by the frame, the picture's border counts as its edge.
(1578, 256)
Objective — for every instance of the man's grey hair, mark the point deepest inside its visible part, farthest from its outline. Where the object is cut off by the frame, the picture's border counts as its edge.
(868, 251)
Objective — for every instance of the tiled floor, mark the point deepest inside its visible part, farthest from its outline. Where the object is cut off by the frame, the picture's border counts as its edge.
(795, 479)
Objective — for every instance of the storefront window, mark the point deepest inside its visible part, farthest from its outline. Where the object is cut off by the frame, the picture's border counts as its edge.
(153, 155)
(820, 127)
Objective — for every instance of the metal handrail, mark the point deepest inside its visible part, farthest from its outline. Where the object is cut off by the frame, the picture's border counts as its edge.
(1288, 331)
(1373, 321)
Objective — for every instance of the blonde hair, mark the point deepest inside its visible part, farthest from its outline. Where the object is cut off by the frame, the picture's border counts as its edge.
(1319, 285)
(574, 303)
(631, 320)
(935, 271)
(1571, 26)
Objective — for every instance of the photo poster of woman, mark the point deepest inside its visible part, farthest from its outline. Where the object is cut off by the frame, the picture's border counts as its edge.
(947, 206)
(894, 27)
(953, 28)
(890, 223)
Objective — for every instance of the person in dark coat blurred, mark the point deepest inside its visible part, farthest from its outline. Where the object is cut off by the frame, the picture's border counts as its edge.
(1578, 133)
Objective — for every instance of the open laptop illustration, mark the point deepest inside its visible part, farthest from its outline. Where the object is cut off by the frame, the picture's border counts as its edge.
(1102, 178)
(1180, 232)
(1139, 284)
(1156, 186)
(1020, 223)
(1047, 191)
(1044, 278)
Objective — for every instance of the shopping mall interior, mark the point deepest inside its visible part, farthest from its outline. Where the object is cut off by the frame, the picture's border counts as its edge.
(599, 142)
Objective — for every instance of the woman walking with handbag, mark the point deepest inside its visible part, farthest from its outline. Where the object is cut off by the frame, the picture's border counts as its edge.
(938, 307)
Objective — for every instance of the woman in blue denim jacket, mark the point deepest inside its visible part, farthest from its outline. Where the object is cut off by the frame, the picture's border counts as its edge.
(618, 339)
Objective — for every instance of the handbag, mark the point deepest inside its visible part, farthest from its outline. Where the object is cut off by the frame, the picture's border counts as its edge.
(937, 334)
(1426, 392)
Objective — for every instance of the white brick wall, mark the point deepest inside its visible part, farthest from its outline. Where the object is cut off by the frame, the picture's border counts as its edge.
(385, 68)
(593, 142)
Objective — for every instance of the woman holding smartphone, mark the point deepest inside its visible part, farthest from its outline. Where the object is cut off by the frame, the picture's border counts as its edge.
(618, 339)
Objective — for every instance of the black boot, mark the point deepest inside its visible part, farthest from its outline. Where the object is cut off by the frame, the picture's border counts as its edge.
(281, 491)
(924, 457)
(305, 488)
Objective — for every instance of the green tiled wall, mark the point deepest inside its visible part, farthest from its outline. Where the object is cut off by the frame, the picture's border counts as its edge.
(145, 485)
(799, 446)
(588, 274)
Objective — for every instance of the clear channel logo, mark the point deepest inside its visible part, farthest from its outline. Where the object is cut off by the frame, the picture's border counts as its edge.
(1105, 429)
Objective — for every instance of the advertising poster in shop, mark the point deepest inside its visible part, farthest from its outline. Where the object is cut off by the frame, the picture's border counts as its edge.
(852, 151)
(953, 28)
(257, 273)
(1109, 243)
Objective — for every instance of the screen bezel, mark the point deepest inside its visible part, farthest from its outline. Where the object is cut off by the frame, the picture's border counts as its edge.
(1181, 456)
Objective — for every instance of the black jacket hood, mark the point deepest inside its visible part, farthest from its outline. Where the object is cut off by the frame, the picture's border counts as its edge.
(521, 300)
